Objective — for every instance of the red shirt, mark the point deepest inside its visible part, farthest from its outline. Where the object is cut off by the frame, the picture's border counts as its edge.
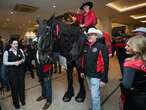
(79, 19)
(90, 19)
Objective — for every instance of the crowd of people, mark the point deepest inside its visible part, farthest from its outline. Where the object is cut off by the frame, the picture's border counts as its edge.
(16, 58)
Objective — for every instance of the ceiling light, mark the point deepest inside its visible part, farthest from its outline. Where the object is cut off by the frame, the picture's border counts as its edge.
(25, 8)
(11, 12)
(36, 25)
(30, 34)
(54, 6)
(143, 21)
(120, 9)
(137, 17)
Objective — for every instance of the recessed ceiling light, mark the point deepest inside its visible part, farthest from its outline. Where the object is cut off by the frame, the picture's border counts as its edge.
(36, 25)
(30, 34)
(25, 8)
(11, 12)
(54, 6)
(137, 17)
(120, 9)
(143, 21)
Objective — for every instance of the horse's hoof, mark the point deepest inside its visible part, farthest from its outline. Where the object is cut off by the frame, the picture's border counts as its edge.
(80, 98)
(67, 97)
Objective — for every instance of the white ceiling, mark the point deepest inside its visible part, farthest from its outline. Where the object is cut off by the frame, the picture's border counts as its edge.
(21, 20)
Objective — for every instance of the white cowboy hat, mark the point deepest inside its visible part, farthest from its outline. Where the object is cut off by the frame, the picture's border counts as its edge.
(140, 29)
(95, 31)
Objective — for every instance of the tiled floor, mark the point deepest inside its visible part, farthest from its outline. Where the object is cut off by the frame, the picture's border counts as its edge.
(109, 101)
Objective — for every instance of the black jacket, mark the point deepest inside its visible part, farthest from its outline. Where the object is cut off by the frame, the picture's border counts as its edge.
(96, 61)
(133, 86)
(1, 52)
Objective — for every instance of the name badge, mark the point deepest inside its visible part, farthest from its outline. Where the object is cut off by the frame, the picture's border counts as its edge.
(94, 50)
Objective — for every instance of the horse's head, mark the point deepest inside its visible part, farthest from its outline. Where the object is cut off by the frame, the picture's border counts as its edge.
(45, 34)
(55, 32)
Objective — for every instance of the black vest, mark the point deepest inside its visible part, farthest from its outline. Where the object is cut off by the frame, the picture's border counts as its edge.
(13, 58)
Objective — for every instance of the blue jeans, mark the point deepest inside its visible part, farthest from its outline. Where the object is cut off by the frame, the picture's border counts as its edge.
(46, 84)
(94, 84)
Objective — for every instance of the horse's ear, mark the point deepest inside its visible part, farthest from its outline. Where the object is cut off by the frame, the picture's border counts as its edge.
(38, 19)
(52, 17)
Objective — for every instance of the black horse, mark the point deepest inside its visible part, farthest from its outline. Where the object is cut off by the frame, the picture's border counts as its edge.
(69, 40)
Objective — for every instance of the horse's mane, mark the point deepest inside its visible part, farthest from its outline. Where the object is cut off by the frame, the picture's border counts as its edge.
(68, 35)
(67, 38)
(67, 17)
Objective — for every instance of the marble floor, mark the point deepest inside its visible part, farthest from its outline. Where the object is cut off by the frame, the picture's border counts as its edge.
(109, 94)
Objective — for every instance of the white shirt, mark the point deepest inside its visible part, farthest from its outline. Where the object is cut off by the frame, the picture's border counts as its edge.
(5, 57)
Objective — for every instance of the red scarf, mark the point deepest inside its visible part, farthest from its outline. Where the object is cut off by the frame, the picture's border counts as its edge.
(46, 68)
(135, 64)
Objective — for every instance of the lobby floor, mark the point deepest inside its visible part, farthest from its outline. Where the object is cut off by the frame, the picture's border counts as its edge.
(109, 94)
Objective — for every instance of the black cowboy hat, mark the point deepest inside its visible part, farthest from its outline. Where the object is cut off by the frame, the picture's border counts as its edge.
(90, 4)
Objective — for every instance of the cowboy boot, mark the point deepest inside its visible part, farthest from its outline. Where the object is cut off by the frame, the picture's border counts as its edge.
(68, 95)
(47, 105)
(81, 96)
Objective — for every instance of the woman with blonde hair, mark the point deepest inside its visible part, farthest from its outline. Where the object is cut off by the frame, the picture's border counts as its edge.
(133, 86)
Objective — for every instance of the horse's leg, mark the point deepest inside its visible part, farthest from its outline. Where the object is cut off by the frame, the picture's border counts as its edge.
(59, 65)
(82, 93)
(55, 66)
(70, 92)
